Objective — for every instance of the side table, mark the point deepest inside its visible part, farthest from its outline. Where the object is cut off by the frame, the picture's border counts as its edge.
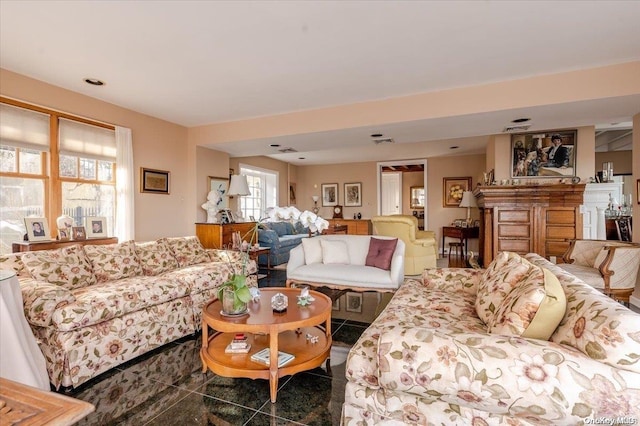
(255, 252)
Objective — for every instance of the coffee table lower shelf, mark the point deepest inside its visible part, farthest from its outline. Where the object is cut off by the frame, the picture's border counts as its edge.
(307, 355)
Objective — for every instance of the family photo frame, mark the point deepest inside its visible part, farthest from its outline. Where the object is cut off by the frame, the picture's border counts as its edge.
(37, 229)
(96, 227)
(544, 154)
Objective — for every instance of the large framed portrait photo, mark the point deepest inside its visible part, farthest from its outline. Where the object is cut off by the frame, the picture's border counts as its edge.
(544, 154)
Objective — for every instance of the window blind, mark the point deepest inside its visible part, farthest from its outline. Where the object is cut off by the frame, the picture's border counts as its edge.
(87, 141)
(24, 128)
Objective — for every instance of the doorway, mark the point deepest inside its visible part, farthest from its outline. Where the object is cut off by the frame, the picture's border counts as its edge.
(386, 194)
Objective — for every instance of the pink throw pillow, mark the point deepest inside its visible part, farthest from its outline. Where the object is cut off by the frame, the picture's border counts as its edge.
(381, 252)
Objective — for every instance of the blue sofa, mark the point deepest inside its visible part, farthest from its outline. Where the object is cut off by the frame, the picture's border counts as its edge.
(280, 237)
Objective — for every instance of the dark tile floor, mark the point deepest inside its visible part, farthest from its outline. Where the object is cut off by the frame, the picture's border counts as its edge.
(167, 387)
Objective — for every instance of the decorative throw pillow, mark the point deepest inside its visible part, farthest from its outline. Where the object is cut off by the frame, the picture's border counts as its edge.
(497, 281)
(334, 252)
(188, 251)
(532, 309)
(112, 262)
(312, 250)
(67, 267)
(156, 257)
(381, 253)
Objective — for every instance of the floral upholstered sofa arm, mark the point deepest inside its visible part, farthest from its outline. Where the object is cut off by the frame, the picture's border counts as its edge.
(526, 378)
(41, 299)
(452, 279)
(237, 259)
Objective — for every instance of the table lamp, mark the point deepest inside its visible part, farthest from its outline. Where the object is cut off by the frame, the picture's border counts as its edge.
(468, 201)
(238, 186)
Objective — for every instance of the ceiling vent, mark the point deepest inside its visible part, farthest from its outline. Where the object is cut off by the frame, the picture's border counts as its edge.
(516, 128)
(287, 150)
(385, 140)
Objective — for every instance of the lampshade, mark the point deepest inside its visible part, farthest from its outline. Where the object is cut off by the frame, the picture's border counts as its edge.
(468, 200)
(238, 185)
(315, 198)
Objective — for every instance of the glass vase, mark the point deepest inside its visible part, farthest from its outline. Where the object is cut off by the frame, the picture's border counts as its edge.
(230, 306)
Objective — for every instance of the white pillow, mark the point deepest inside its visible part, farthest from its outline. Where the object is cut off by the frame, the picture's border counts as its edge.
(334, 252)
(312, 250)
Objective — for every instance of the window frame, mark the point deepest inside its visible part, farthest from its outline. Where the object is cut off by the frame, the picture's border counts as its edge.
(249, 170)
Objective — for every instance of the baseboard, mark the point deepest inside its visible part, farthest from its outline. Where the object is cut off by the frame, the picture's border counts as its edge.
(635, 301)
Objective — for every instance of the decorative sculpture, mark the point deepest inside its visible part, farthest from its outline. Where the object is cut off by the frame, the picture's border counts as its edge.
(211, 206)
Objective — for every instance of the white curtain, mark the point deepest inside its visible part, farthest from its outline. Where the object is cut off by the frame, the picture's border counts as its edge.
(125, 219)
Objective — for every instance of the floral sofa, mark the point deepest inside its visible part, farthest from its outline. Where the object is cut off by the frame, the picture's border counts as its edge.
(92, 308)
(496, 346)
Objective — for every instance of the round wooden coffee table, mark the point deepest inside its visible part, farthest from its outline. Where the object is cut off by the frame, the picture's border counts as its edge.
(287, 332)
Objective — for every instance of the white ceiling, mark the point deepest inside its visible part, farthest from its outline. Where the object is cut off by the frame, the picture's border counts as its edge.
(203, 62)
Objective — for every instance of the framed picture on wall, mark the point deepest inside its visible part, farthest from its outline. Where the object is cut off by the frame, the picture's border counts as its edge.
(221, 186)
(154, 181)
(452, 190)
(329, 194)
(353, 194)
(544, 154)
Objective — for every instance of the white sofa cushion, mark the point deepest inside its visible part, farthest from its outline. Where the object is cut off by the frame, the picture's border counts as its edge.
(312, 250)
(334, 252)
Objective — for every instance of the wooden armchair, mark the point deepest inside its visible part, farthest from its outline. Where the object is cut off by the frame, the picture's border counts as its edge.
(609, 266)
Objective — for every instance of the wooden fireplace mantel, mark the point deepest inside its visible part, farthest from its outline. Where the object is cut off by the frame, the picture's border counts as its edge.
(540, 219)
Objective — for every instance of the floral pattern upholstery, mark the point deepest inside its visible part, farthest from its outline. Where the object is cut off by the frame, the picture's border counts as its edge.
(84, 330)
(67, 267)
(156, 257)
(112, 262)
(188, 251)
(429, 360)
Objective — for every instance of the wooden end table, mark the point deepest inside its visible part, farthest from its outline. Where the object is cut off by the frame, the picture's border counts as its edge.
(255, 252)
(285, 332)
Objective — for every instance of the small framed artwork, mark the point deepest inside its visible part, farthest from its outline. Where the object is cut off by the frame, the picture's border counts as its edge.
(452, 190)
(96, 227)
(544, 154)
(292, 194)
(79, 233)
(336, 305)
(353, 194)
(63, 235)
(154, 181)
(221, 186)
(37, 229)
(354, 302)
(329, 194)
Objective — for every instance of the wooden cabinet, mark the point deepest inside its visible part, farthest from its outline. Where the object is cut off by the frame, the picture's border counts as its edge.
(49, 245)
(354, 226)
(540, 219)
(218, 236)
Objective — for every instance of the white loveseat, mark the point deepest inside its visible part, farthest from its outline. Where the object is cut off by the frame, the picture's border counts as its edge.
(340, 262)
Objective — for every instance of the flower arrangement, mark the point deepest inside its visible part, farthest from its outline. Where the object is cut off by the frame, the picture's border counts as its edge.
(236, 287)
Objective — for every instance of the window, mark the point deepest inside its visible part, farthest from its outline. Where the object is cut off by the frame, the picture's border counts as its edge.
(263, 185)
(84, 184)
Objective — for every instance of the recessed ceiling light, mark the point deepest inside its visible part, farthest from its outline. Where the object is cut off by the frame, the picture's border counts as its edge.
(302, 158)
(454, 147)
(275, 145)
(520, 120)
(376, 135)
(94, 81)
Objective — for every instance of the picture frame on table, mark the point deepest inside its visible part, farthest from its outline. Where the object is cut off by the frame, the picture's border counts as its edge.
(96, 227)
(544, 154)
(63, 235)
(452, 190)
(37, 229)
(353, 194)
(329, 194)
(354, 302)
(79, 233)
(154, 181)
(221, 186)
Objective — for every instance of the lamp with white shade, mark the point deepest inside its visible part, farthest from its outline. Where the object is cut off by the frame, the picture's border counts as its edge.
(468, 201)
(238, 187)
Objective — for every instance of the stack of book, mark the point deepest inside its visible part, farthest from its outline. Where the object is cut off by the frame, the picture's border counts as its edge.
(238, 345)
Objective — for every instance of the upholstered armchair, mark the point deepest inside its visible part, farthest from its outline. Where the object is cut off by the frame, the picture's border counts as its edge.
(421, 250)
(609, 266)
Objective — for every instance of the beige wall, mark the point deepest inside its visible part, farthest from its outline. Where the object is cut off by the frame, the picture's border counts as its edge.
(622, 161)
(212, 163)
(157, 144)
